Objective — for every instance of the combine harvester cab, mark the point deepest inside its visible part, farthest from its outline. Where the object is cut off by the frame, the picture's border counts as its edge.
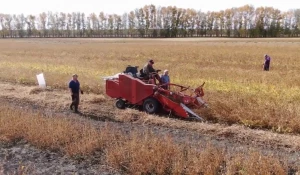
(133, 90)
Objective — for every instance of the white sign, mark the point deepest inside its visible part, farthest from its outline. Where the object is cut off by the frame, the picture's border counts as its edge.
(41, 80)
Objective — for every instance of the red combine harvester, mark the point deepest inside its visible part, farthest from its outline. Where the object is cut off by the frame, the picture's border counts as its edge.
(130, 89)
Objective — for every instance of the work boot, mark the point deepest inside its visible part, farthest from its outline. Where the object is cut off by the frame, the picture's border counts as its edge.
(71, 106)
(76, 109)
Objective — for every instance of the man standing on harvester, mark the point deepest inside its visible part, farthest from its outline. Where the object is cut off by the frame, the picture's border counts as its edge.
(74, 87)
(165, 79)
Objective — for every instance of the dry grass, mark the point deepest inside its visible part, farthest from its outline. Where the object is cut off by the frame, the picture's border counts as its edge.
(98, 99)
(236, 87)
(148, 153)
(59, 100)
(51, 133)
(254, 162)
(37, 90)
(133, 153)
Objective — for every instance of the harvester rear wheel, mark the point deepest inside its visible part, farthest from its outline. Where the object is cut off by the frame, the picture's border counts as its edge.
(120, 104)
(151, 105)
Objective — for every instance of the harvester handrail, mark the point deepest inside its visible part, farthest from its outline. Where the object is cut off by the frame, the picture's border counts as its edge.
(175, 85)
(183, 88)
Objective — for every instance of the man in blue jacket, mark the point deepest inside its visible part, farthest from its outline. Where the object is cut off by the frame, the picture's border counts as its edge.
(74, 87)
(165, 79)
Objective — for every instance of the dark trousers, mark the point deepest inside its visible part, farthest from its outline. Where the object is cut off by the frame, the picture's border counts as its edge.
(157, 77)
(266, 67)
(75, 101)
(165, 87)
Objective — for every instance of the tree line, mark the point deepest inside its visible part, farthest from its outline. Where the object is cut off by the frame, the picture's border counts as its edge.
(151, 22)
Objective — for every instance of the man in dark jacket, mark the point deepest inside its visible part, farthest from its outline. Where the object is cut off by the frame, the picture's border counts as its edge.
(148, 68)
(267, 62)
(74, 87)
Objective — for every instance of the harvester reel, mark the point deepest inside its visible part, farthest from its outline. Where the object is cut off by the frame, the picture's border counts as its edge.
(150, 105)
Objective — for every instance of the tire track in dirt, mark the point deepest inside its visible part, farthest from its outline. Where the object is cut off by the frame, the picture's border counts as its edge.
(21, 158)
(235, 138)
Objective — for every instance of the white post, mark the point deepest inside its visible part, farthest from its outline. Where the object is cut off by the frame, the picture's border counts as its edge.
(41, 80)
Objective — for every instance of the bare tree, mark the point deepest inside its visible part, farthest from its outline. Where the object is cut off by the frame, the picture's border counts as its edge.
(62, 21)
(228, 21)
(111, 24)
(117, 24)
(6, 25)
(140, 15)
(210, 22)
(4, 30)
(69, 27)
(131, 23)
(297, 22)
(31, 26)
(74, 24)
(152, 21)
(146, 12)
(42, 23)
(94, 26)
(124, 24)
(288, 23)
(159, 24)
(102, 23)
(248, 15)
(83, 25)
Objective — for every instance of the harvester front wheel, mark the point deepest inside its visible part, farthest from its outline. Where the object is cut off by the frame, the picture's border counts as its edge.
(120, 104)
(151, 105)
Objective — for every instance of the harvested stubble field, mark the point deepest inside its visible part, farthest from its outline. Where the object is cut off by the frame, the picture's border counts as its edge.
(236, 88)
(141, 151)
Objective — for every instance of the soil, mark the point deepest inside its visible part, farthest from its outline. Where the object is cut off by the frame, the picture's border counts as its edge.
(22, 158)
(100, 111)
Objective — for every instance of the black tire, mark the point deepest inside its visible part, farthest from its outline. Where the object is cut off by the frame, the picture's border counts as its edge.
(120, 104)
(151, 106)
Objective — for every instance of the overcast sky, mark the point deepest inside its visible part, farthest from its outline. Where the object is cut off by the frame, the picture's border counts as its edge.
(121, 6)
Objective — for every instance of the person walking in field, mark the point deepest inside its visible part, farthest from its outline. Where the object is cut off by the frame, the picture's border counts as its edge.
(267, 63)
(74, 87)
(165, 79)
